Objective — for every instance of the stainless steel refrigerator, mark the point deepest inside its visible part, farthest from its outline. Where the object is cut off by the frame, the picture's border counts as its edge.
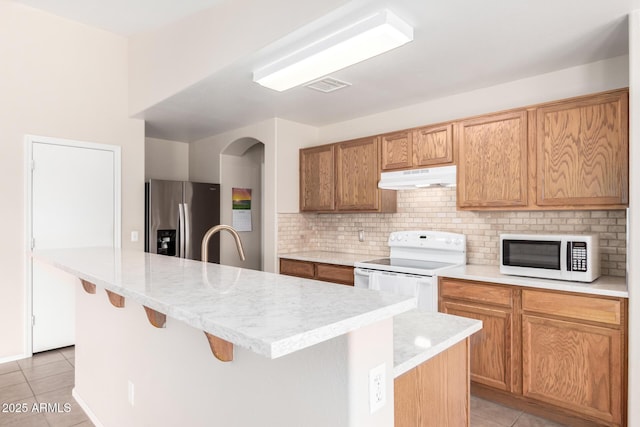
(177, 216)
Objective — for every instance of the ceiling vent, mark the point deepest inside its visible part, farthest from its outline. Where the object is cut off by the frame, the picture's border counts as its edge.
(327, 84)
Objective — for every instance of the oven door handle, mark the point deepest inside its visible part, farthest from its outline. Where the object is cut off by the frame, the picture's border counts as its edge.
(362, 272)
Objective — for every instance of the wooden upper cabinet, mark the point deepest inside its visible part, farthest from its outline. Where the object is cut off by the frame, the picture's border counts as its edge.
(433, 145)
(343, 177)
(317, 178)
(417, 148)
(492, 163)
(396, 150)
(583, 151)
(357, 175)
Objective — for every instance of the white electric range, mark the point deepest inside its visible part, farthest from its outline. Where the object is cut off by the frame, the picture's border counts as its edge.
(412, 268)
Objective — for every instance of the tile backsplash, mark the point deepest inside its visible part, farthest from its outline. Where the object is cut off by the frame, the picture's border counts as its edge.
(435, 209)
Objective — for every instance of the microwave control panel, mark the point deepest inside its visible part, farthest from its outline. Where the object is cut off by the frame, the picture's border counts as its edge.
(578, 256)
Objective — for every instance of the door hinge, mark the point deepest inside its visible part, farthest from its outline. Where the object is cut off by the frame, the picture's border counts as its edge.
(33, 320)
(33, 165)
(33, 243)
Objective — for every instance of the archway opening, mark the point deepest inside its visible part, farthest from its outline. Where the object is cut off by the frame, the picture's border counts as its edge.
(242, 168)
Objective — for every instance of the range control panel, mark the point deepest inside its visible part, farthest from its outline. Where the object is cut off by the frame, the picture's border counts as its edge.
(427, 239)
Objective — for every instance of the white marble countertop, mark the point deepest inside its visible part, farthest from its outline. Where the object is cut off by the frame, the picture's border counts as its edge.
(604, 285)
(420, 335)
(270, 314)
(339, 258)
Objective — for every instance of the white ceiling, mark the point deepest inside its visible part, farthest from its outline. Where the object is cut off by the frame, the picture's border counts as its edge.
(124, 17)
(459, 45)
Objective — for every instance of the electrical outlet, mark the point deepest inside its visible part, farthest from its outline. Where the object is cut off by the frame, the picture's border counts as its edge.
(361, 235)
(130, 393)
(377, 388)
(134, 236)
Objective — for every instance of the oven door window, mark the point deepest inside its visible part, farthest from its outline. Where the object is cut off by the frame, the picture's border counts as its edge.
(531, 254)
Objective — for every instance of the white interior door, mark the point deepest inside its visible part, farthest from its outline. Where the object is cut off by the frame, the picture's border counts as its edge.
(73, 205)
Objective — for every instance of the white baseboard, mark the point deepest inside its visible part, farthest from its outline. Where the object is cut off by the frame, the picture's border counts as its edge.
(13, 358)
(86, 409)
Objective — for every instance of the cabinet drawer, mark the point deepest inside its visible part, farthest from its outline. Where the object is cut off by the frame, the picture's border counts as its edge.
(335, 273)
(476, 291)
(297, 268)
(573, 306)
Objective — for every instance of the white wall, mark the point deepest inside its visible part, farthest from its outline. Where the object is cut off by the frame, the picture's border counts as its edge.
(282, 140)
(205, 165)
(60, 79)
(164, 159)
(590, 78)
(178, 382)
(243, 171)
(291, 136)
(633, 215)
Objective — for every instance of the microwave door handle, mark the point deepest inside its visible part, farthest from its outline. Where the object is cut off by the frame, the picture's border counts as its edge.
(569, 252)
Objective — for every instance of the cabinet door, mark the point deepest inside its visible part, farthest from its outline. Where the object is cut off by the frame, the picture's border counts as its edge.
(574, 366)
(396, 150)
(357, 175)
(492, 165)
(335, 273)
(491, 347)
(436, 392)
(433, 146)
(294, 267)
(583, 153)
(317, 178)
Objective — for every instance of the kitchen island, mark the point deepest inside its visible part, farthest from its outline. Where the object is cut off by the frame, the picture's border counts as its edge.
(299, 351)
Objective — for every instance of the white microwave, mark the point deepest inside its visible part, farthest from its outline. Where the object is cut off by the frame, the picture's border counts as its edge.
(562, 257)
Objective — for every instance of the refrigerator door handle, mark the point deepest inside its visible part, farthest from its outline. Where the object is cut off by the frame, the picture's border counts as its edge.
(187, 231)
(181, 231)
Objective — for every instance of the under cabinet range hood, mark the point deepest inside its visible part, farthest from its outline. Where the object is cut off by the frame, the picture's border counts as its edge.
(444, 176)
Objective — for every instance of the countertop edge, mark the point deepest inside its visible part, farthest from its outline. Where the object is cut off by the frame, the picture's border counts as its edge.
(492, 274)
(325, 257)
(325, 333)
(419, 335)
(270, 350)
(429, 353)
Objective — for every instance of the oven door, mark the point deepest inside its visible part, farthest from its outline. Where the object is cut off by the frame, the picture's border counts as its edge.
(424, 288)
(361, 277)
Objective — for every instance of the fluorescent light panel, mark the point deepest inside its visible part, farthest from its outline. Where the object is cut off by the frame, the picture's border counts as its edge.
(365, 39)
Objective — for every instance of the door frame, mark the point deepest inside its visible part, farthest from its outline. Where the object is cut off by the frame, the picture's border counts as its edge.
(29, 140)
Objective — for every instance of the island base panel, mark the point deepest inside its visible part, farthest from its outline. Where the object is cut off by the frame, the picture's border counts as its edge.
(176, 380)
(435, 393)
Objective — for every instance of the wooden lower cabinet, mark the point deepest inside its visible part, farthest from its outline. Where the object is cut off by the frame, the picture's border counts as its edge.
(574, 366)
(557, 354)
(491, 347)
(335, 273)
(435, 393)
(293, 267)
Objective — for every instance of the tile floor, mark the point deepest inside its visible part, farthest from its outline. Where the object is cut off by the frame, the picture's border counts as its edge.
(48, 378)
(488, 414)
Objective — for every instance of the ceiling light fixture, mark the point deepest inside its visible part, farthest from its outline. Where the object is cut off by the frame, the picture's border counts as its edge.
(365, 39)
